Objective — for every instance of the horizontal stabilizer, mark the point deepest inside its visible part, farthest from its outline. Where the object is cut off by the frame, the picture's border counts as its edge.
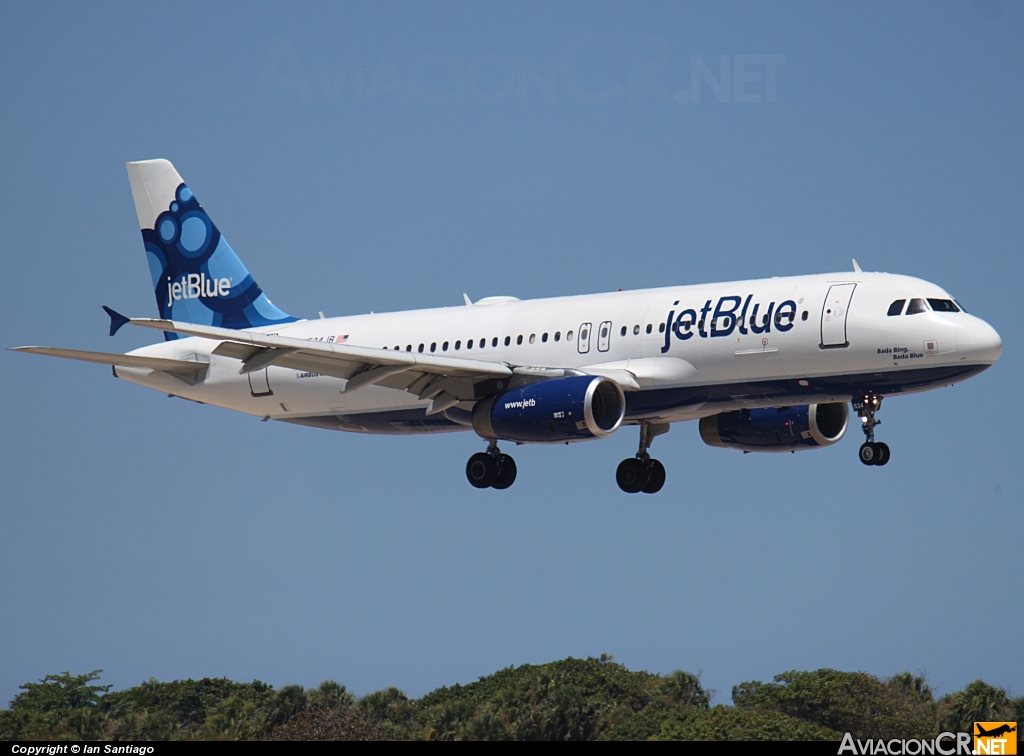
(124, 360)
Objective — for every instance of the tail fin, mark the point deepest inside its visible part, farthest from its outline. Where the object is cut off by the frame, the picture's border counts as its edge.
(197, 277)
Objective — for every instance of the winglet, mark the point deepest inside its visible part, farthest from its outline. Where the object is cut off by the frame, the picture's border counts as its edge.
(469, 302)
(856, 267)
(116, 320)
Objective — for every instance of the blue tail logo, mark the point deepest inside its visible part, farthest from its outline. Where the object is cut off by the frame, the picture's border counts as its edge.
(196, 275)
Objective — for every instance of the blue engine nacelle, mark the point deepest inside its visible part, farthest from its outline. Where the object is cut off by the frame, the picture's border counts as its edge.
(556, 410)
(780, 429)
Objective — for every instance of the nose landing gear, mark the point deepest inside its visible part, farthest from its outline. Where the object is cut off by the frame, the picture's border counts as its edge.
(491, 469)
(871, 452)
(641, 473)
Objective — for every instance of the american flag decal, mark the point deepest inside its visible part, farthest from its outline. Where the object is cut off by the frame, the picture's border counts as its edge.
(341, 339)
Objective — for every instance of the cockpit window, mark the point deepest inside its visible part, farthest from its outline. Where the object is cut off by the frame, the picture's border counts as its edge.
(962, 308)
(897, 307)
(943, 305)
(916, 306)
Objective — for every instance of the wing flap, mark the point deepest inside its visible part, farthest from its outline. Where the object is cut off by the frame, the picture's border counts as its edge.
(339, 360)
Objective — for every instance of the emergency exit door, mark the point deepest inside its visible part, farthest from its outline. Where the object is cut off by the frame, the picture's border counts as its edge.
(583, 345)
(833, 316)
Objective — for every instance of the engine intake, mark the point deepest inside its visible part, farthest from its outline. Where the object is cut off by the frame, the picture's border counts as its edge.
(780, 429)
(576, 408)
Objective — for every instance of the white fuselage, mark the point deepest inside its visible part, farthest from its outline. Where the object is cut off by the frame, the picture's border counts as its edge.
(685, 365)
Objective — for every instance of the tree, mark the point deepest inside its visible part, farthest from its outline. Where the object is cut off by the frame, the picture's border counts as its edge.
(58, 707)
(853, 702)
(728, 723)
(343, 722)
(978, 702)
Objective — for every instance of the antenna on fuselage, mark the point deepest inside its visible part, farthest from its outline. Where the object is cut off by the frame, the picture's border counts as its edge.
(856, 267)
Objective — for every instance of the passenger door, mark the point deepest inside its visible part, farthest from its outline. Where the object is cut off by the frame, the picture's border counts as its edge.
(833, 316)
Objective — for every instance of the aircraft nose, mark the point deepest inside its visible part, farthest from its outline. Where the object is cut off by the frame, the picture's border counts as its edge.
(979, 341)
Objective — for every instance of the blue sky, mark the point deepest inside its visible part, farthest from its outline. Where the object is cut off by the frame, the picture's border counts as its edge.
(394, 156)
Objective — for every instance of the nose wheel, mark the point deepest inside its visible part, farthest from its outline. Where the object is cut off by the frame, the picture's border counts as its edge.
(642, 473)
(871, 452)
(491, 469)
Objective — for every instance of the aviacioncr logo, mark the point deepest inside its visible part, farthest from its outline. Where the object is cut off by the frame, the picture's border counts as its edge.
(196, 285)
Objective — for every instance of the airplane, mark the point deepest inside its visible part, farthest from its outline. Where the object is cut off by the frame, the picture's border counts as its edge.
(762, 365)
(995, 732)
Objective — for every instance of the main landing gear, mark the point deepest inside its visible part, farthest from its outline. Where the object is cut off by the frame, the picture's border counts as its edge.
(871, 452)
(491, 469)
(641, 473)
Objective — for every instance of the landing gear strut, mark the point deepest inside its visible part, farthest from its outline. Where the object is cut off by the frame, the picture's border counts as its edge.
(641, 473)
(491, 469)
(871, 452)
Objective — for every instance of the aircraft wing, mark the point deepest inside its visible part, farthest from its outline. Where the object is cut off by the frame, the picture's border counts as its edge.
(445, 380)
(125, 360)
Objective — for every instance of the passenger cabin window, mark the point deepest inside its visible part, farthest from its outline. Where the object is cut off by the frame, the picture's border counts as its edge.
(896, 308)
(648, 328)
(458, 345)
(558, 335)
(494, 341)
(916, 306)
(943, 305)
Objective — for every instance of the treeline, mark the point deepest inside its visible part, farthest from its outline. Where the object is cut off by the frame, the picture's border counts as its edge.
(573, 699)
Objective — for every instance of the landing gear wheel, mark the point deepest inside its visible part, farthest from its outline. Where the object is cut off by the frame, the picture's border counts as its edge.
(655, 477)
(482, 470)
(883, 453)
(506, 473)
(869, 453)
(632, 475)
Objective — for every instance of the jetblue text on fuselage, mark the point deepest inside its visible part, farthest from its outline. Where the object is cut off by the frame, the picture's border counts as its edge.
(728, 315)
(196, 285)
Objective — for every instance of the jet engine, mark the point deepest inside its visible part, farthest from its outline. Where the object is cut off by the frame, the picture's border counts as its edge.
(781, 429)
(575, 408)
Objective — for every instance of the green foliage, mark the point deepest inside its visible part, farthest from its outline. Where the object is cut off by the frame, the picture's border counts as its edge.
(393, 712)
(58, 707)
(729, 723)
(342, 722)
(853, 702)
(979, 702)
(571, 699)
